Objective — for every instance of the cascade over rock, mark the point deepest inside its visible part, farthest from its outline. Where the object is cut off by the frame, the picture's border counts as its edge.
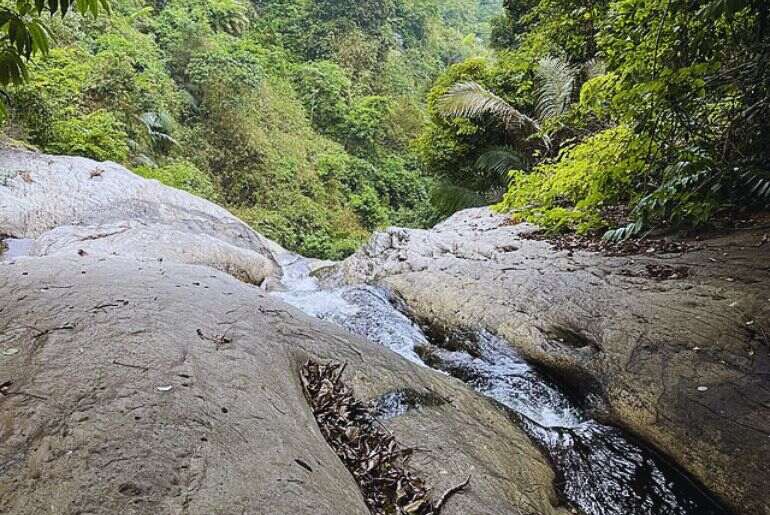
(683, 363)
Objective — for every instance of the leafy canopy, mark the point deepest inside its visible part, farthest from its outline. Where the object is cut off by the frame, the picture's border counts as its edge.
(689, 80)
(25, 32)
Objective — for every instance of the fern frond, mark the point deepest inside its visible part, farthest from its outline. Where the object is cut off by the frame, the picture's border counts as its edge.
(500, 160)
(758, 185)
(472, 100)
(625, 232)
(595, 67)
(555, 86)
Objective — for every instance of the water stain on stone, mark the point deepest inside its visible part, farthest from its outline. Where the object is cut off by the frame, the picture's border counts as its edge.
(399, 402)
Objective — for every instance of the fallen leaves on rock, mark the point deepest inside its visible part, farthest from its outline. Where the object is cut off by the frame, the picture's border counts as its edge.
(371, 453)
(663, 272)
(573, 242)
(659, 272)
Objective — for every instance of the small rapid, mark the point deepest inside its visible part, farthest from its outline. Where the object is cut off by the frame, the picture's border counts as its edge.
(600, 470)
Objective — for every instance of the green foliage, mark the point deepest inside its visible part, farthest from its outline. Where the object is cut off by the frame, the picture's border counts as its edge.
(365, 126)
(296, 115)
(325, 89)
(448, 148)
(25, 33)
(686, 82)
(501, 160)
(556, 79)
(307, 227)
(223, 68)
(122, 75)
(182, 175)
(98, 135)
(472, 100)
(231, 16)
(369, 208)
(572, 192)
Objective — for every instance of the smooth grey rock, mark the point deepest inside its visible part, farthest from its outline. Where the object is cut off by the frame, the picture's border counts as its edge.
(153, 242)
(78, 202)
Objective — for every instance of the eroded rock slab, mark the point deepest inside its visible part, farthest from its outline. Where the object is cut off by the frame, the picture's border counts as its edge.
(683, 363)
(154, 387)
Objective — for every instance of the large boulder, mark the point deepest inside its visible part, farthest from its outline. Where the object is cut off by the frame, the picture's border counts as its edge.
(674, 347)
(76, 205)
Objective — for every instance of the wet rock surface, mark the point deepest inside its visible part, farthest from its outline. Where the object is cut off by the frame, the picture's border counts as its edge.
(681, 362)
(600, 470)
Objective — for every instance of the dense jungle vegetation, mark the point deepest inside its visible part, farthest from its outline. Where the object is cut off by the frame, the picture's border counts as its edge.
(319, 121)
(610, 116)
(297, 115)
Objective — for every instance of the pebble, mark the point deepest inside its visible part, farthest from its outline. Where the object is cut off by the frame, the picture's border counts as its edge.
(703, 388)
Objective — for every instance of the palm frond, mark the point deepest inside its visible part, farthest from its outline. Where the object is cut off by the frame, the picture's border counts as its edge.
(472, 100)
(159, 126)
(594, 67)
(729, 8)
(448, 198)
(500, 160)
(555, 86)
(758, 185)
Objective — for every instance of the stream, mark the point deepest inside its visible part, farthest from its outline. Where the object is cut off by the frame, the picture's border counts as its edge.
(600, 470)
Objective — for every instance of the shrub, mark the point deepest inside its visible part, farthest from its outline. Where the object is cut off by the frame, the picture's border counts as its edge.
(324, 89)
(182, 175)
(572, 192)
(302, 225)
(369, 208)
(365, 126)
(98, 135)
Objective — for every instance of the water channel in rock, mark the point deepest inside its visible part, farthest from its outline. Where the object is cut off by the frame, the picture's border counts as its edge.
(600, 470)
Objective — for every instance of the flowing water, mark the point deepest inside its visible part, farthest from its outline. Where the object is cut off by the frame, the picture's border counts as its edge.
(12, 248)
(600, 470)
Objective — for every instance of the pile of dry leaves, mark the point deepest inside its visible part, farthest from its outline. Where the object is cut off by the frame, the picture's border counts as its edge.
(371, 453)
